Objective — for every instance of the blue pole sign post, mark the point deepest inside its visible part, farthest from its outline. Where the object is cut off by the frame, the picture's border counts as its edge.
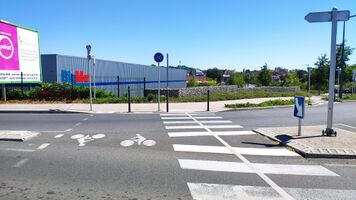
(158, 57)
(299, 105)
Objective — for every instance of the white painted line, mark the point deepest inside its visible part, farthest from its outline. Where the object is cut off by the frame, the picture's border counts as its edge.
(269, 181)
(226, 133)
(347, 126)
(21, 162)
(339, 165)
(238, 167)
(202, 114)
(177, 118)
(59, 136)
(204, 127)
(207, 191)
(68, 130)
(85, 119)
(216, 122)
(111, 112)
(225, 150)
(173, 114)
(91, 115)
(179, 122)
(42, 146)
(77, 124)
(13, 149)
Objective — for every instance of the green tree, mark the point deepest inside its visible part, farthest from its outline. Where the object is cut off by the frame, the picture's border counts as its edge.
(320, 74)
(292, 79)
(193, 83)
(237, 78)
(341, 58)
(264, 76)
(215, 74)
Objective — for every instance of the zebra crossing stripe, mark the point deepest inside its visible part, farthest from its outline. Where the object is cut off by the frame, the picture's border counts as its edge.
(179, 122)
(284, 169)
(207, 191)
(203, 127)
(216, 121)
(177, 118)
(223, 133)
(225, 150)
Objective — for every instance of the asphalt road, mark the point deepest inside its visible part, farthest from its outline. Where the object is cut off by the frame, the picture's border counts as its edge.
(54, 165)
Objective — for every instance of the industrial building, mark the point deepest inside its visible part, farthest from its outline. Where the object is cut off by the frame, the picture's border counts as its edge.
(112, 76)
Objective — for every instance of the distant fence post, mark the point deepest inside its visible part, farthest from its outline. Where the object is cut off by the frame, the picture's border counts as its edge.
(144, 87)
(208, 100)
(129, 98)
(22, 83)
(118, 86)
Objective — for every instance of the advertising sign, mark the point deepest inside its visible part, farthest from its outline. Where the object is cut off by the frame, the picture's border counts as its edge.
(19, 52)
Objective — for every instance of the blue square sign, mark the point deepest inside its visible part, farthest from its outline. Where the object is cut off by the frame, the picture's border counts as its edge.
(299, 106)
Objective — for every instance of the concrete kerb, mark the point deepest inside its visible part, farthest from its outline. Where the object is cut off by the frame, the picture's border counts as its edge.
(305, 150)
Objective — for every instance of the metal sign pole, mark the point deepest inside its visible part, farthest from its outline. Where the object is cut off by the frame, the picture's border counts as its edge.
(159, 89)
(89, 58)
(167, 91)
(329, 129)
(299, 126)
(94, 63)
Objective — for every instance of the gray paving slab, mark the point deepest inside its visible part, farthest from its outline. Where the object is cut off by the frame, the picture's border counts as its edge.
(312, 143)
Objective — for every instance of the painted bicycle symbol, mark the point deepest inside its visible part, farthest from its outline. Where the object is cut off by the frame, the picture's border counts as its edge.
(139, 140)
(82, 139)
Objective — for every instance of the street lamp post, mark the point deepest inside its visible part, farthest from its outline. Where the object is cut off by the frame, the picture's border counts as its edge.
(94, 63)
(89, 58)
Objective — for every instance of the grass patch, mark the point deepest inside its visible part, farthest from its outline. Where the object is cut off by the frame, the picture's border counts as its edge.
(349, 97)
(277, 102)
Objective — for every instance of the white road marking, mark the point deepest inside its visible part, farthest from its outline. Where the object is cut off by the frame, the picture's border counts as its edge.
(91, 115)
(111, 112)
(21, 162)
(269, 181)
(179, 122)
(339, 165)
(216, 122)
(68, 130)
(77, 124)
(188, 134)
(204, 127)
(42, 146)
(207, 191)
(59, 136)
(222, 166)
(347, 126)
(85, 119)
(173, 114)
(225, 150)
(176, 118)
(13, 149)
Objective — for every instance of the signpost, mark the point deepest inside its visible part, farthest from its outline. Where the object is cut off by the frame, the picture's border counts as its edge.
(330, 16)
(89, 58)
(299, 106)
(158, 57)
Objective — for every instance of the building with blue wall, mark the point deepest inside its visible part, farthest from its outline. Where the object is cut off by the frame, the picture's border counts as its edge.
(112, 76)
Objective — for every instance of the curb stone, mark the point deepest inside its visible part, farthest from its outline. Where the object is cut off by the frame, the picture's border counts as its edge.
(307, 151)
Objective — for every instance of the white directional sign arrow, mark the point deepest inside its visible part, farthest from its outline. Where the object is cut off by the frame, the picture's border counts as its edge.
(342, 15)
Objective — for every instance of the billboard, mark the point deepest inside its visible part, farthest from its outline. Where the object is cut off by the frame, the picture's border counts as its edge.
(19, 53)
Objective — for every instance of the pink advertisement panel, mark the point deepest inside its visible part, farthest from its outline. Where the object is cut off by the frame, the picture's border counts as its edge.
(9, 58)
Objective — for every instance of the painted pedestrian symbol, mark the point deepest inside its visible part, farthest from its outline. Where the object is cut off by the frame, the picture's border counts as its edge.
(87, 138)
(139, 140)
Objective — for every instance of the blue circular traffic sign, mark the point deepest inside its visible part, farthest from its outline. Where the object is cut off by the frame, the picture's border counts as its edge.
(158, 57)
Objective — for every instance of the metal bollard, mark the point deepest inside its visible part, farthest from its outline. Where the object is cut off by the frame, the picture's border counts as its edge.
(208, 102)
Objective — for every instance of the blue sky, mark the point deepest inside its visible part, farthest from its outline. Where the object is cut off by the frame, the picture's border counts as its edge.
(230, 34)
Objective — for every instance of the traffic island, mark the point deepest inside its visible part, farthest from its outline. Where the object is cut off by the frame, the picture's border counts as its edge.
(311, 143)
(17, 135)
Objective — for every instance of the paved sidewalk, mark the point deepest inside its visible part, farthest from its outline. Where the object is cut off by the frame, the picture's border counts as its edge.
(215, 106)
(312, 144)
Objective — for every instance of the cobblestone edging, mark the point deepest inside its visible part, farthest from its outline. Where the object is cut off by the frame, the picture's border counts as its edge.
(308, 151)
(199, 91)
